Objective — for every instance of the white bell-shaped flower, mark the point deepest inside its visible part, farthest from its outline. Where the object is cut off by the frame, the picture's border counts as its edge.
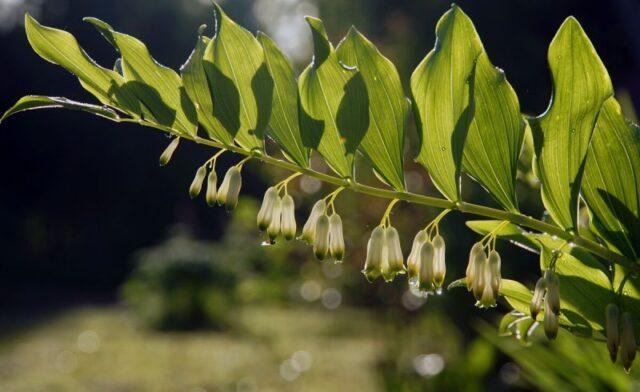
(427, 258)
(198, 180)
(288, 220)
(553, 291)
(275, 223)
(538, 296)
(395, 258)
(321, 240)
(413, 261)
(439, 266)
(628, 345)
(336, 238)
(475, 256)
(168, 152)
(309, 228)
(612, 327)
(265, 215)
(212, 191)
(550, 322)
(376, 254)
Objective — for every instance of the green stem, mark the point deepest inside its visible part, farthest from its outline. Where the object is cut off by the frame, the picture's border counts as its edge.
(464, 207)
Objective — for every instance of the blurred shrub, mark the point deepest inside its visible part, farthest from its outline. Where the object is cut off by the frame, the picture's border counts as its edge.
(428, 354)
(186, 283)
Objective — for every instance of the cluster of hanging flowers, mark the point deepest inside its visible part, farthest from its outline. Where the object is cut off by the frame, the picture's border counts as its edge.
(547, 292)
(620, 335)
(426, 262)
(483, 277)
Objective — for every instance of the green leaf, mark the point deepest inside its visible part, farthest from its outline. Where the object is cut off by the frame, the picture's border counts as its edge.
(284, 125)
(385, 121)
(509, 232)
(562, 134)
(61, 48)
(611, 184)
(197, 87)
(495, 137)
(441, 90)
(322, 87)
(159, 88)
(32, 102)
(241, 84)
(517, 295)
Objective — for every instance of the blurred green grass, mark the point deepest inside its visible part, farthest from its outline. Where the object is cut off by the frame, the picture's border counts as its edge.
(103, 349)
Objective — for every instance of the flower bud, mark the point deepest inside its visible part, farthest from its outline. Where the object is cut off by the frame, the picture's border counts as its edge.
(336, 238)
(275, 224)
(552, 299)
(395, 259)
(198, 180)
(550, 320)
(439, 266)
(627, 341)
(376, 254)
(212, 184)
(612, 315)
(538, 296)
(475, 256)
(266, 209)
(321, 240)
(228, 194)
(413, 261)
(427, 257)
(288, 224)
(495, 278)
(479, 278)
(487, 283)
(308, 231)
(168, 152)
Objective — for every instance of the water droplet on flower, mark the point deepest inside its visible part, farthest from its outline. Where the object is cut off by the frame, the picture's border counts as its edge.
(267, 243)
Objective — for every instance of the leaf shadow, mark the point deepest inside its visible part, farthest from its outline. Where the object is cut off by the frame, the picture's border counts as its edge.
(311, 129)
(628, 219)
(352, 118)
(262, 86)
(226, 98)
(149, 102)
(461, 128)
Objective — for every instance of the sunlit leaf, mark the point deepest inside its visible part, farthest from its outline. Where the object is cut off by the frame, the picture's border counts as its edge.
(495, 137)
(159, 88)
(284, 125)
(385, 122)
(562, 134)
(441, 89)
(241, 84)
(322, 87)
(61, 48)
(33, 102)
(197, 87)
(611, 185)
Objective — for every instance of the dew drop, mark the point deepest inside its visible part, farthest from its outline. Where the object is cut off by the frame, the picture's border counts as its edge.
(267, 243)
(443, 148)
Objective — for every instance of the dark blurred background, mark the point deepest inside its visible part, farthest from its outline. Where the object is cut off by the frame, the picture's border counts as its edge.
(81, 196)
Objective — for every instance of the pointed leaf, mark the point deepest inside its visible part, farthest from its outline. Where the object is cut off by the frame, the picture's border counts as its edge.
(196, 84)
(284, 125)
(495, 137)
(242, 87)
(562, 134)
(33, 102)
(611, 185)
(322, 88)
(385, 123)
(159, 88)
(61, 48)
(441, 93)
